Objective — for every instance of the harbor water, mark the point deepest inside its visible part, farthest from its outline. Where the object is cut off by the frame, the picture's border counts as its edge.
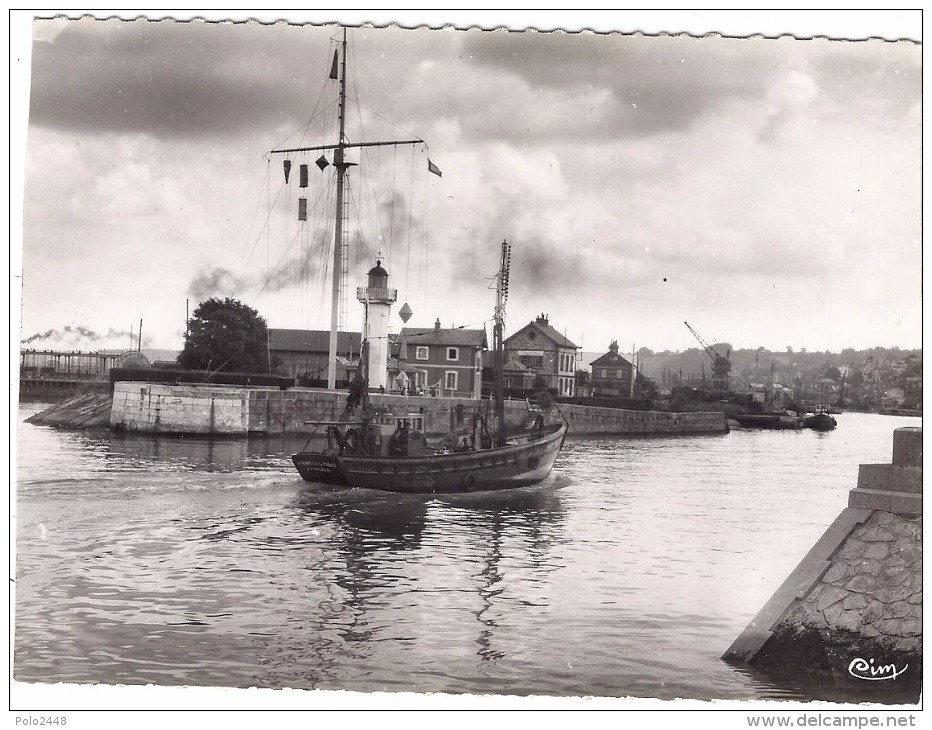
(628, 572)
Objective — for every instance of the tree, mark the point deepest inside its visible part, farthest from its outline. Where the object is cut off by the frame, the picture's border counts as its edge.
(645, 388)
(225, 335)
(833, 373)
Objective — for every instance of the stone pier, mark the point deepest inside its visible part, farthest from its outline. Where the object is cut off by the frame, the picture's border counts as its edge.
(852, 609)
(229, 410)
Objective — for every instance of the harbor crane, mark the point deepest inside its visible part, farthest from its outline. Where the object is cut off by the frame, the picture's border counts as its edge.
(721, 366)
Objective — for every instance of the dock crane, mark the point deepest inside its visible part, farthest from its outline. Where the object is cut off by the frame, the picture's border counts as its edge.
(721, 366)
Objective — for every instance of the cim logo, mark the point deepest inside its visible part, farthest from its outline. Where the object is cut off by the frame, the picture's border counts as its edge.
(864, 669)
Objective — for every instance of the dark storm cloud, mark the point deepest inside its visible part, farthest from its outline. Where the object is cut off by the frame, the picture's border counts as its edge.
(889, 73)
(169, 78)
(656, 84)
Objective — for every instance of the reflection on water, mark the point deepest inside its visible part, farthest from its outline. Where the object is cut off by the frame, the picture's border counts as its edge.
(209, 562)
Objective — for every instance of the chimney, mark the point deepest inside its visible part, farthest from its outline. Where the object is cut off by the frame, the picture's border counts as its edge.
(542, 319)
(437, 324)
(613, 347)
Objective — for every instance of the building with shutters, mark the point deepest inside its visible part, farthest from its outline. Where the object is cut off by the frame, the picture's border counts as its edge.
(550, 355)
(611, 374)
(443, 361)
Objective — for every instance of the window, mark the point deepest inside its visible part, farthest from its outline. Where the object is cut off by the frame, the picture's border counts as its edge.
(449, 380)
(532, 361)
(604, 373)
(453, 354)
(422, 352)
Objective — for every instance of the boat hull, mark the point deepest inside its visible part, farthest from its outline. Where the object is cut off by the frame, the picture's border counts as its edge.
(506, 467)
(320, 468)
(776, 422)
(821, 422)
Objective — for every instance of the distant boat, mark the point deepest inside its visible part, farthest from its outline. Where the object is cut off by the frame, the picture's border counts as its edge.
(821, 421)
(778, 421)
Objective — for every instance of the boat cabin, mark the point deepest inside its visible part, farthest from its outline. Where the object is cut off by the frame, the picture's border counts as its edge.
(397, 435)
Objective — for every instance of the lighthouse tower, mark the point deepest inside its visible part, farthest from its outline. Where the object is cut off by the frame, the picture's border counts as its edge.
(377, 298)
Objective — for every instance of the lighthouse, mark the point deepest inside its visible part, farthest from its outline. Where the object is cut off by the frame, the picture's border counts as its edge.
(377, 298)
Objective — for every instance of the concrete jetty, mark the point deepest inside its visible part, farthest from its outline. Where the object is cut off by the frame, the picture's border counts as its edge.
(852, 608)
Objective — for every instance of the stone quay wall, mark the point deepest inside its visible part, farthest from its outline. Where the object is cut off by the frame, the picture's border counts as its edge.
(218, 409)
(195, 409)
(853, 606)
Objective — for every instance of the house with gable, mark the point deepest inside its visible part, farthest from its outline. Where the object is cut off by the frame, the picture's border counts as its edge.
(443, 361)
(549, 354)
(611, 374)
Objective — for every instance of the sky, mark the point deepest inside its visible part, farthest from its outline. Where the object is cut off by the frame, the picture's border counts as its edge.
(767, 190)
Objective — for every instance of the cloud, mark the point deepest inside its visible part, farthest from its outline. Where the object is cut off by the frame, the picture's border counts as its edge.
(172, 78)
(747, 173)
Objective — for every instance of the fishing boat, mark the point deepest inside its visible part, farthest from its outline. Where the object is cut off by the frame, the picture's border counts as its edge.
(389, 451)
(375, 448)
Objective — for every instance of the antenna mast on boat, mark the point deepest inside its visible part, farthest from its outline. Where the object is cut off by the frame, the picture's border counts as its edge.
(339, 162)
(501, 296)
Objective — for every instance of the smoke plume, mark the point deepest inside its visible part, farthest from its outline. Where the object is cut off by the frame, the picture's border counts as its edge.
(75, 334)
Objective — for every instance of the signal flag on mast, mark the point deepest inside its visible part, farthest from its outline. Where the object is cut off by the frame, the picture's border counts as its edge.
(431, 167)
(333, 68)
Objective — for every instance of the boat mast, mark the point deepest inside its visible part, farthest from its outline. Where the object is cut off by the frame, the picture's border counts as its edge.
(501, 296)
(338, 162)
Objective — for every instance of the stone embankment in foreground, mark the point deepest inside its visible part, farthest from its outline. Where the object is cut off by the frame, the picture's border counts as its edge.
(852, 609)
(86, 410)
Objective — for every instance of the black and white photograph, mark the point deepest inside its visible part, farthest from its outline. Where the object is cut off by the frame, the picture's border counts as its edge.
(467, 361)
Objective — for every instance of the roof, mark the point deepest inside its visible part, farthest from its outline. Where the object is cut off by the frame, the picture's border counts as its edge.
(548, 332)
(377, 270)
(514, 366)
(281, 340)
(612, 359)
(456, 337)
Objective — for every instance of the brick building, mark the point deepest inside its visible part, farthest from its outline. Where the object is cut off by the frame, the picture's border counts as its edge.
(551, 356)
(611, 374)
(441, 361)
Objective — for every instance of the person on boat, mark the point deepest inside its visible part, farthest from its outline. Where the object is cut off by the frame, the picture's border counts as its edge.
(399, 442)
